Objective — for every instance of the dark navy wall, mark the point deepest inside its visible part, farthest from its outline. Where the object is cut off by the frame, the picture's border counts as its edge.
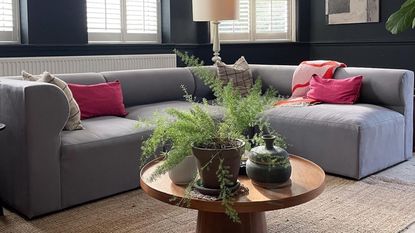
(262, 53)
(58, 28)
(361, 44)
(54, 22)
(178, 26)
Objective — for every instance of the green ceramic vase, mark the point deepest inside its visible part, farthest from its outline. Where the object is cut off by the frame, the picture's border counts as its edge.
(269, 166)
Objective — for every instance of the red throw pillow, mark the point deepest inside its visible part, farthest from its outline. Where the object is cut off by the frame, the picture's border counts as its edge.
(103, 99)
(335, 91)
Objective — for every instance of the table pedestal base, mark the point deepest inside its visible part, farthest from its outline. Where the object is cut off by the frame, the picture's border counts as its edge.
(208, 222)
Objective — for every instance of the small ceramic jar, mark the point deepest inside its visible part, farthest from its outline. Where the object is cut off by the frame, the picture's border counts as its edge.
(269, 166)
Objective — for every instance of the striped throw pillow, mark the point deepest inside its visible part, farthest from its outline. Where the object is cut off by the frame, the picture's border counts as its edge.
(238, 74)
(74, 119)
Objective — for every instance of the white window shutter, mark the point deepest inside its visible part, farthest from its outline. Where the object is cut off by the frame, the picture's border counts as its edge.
(123, 20)
(264, 20)
(142, 16)
(9, 29)
(271, 16)
(237, 26)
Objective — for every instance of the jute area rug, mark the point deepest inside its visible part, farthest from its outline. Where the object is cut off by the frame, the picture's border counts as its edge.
(384, 202)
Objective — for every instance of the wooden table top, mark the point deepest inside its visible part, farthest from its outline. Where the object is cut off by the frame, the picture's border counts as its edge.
(307, 183)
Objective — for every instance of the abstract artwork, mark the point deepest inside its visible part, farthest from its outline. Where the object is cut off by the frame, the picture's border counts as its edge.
(352, 11)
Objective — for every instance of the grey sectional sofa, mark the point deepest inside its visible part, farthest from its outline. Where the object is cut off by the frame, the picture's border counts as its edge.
(44, 169)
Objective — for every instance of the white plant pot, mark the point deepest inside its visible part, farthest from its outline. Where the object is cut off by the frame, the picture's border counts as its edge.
(184, 172)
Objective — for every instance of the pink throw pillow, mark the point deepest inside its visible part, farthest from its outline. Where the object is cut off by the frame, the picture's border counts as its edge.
(335, 91)
(103, 99)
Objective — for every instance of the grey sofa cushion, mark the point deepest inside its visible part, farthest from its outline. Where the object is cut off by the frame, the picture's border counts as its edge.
(152, 85)
(146, 112)
(382, 87)
(276, 76)
(82, 78)
(350, 140)
(201, 90)
(101, 160)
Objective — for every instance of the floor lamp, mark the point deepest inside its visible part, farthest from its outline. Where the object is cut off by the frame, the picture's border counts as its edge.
(215, 11)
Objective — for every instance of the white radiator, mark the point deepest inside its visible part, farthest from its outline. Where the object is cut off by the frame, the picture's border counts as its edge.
(80, 64)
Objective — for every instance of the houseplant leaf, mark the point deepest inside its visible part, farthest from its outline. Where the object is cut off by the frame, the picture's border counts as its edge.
(403, 19)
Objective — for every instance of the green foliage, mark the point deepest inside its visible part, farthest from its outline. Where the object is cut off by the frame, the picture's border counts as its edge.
(225, 193)
(181, 129)
(241, 112)
(403, 19)
(193, 127)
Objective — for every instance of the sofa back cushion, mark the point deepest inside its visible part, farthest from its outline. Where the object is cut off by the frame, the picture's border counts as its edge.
(201, 89)
(82, 78)
(391, 88)
(278, 77)
(152, 85)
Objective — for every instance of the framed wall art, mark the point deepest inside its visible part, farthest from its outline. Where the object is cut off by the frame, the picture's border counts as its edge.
(352, 11)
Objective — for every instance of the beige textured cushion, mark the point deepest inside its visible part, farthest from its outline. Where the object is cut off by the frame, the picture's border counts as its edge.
(74, 120)
(238, 74)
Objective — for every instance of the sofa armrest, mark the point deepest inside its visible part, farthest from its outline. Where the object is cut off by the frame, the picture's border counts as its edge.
(390, 88)
(35, 114)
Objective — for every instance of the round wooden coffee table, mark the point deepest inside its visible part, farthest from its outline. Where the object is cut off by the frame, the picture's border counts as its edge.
(307, 183)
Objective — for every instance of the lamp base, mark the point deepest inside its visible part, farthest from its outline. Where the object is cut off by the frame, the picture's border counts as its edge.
(216, 42)
(216, 59)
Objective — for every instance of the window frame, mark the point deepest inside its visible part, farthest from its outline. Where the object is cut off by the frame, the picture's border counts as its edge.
(12, 37)
(253, 37)
(127, 38)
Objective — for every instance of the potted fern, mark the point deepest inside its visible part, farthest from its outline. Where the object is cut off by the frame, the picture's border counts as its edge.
(218, 144)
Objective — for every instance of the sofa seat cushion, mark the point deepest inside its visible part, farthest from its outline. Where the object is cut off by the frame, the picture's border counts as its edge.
(147, 111)
(101, 160)
(349, 140)
(99, 129)
(357, 115)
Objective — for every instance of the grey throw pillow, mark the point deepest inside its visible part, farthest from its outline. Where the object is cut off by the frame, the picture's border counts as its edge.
(74, 119)
(238, 74)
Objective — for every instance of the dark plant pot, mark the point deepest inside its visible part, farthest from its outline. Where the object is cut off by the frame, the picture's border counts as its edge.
(231, 160)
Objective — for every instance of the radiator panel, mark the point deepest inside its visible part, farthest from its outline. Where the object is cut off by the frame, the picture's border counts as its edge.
(81, 64)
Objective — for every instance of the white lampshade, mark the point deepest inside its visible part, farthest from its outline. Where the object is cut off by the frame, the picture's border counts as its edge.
(215, 10)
